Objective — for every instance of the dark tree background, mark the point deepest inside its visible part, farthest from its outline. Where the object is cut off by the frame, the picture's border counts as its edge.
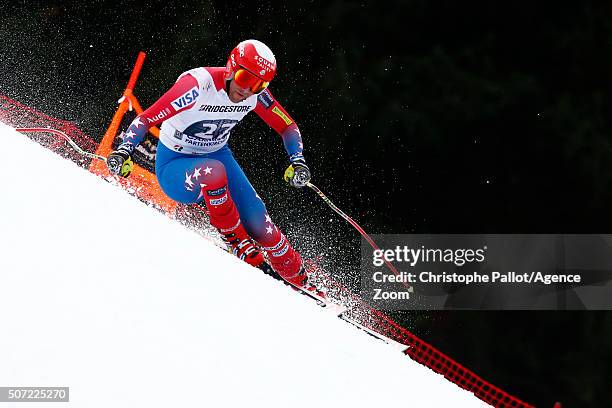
(418, 116)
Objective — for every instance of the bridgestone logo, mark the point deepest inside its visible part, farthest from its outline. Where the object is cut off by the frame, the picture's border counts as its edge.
(216, 108)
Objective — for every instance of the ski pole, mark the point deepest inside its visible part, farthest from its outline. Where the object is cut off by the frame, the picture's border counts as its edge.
(66, 137)
(357, 227)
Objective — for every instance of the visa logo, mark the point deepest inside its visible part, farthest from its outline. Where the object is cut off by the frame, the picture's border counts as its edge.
(186, 99)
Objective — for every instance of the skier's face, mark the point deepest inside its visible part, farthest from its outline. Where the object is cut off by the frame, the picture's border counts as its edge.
(238, 94)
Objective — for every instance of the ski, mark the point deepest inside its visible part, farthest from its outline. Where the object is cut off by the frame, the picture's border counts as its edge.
(399, 346)
(319, 299)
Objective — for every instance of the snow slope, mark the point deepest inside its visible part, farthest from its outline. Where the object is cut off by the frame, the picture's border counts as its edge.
(100, 293)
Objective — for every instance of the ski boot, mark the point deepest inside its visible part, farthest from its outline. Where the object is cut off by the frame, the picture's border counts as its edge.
(240, 244)
(286, 266)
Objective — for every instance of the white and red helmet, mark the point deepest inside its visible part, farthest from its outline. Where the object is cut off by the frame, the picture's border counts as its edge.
(252, 65)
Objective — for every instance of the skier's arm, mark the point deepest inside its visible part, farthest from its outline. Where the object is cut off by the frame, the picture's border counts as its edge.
(268, 108)
(161, 110)
(164, 108)
(277, 118)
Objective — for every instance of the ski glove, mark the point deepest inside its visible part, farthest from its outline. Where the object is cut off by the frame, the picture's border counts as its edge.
(120, 162)
(297, 174)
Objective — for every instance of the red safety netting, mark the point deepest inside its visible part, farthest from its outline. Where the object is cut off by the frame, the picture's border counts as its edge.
(419, 350)
(16, 114)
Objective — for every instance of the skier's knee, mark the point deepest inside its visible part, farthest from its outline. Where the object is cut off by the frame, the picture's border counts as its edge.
(265, 233)
(209, 174)
(211, 180)
(187, 180)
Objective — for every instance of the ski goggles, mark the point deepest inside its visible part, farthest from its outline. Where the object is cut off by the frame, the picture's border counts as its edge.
(246, 80)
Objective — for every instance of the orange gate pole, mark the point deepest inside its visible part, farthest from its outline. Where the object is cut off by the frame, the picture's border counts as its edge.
(141, 181)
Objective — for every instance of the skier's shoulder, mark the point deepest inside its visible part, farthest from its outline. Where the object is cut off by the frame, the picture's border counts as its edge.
(199, 74)
(208, 78)
(265, 98)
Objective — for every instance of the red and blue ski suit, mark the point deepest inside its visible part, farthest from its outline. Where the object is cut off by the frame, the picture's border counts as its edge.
(194, 162)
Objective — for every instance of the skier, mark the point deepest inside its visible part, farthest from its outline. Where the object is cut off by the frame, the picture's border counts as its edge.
(194, 162)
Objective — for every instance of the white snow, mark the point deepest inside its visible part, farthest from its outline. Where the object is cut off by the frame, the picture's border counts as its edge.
(104, 295)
